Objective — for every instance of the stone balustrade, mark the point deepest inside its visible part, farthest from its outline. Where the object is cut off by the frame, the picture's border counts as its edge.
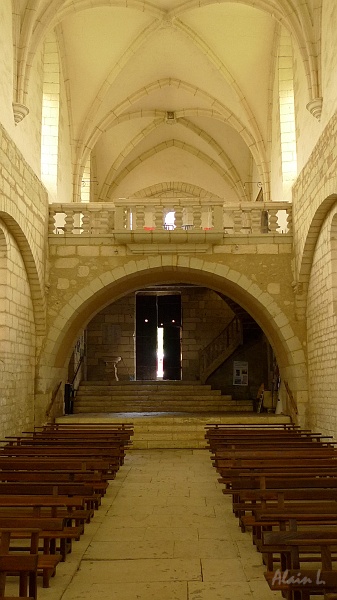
(172, 214)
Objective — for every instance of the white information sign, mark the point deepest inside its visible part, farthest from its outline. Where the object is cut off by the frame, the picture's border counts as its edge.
(240, 373)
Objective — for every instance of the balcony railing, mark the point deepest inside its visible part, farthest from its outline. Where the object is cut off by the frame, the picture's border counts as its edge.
(171, 214)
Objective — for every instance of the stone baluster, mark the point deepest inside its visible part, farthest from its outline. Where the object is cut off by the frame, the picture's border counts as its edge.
(120, 218)
(77, 220)
(158, 216)
(255, 220)
(289, 219)
(85, 221)
(237, 221)
(69, 221)
(139, 216)
(104, 221)
(197, 217)
(51, 221)
(178, 216)
(273, 221)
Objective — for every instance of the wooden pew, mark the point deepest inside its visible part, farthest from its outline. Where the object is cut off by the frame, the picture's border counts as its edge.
(114, 456)
(123, 432)
(23, 565)
(97, 481)
(249, 500)
(289, 544)
(70, 465)
(37, 506)
(51, 479)
(277, 478)
(294, 579)
(91, 500)
(50, 529)
(311, 514)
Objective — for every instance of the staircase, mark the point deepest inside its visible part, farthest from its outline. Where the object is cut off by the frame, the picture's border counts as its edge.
(221, 348)
(166, 414)
(153, 397)
(241, 330)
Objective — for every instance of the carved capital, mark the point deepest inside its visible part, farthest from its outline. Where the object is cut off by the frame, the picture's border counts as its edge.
(20, 112)
(315, 108)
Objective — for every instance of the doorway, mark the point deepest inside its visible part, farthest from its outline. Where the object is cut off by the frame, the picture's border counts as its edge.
(158, 336)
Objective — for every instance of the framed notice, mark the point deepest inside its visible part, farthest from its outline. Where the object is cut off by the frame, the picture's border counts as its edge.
(240, 373)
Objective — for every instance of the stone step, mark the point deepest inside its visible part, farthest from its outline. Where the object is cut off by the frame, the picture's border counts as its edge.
(107, 390)
(157, 402)
(166, 414)
(152, 398)
(145, 382)
(173, 431)
(132, 408)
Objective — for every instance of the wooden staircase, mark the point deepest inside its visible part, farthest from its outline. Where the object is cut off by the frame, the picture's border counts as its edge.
(243, 329)
(220, 349)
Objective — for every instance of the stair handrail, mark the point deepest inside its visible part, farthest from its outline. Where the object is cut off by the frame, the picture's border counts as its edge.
(291, 405)
(70, 390)
(77, 370)
(53, 398)
(232, 333)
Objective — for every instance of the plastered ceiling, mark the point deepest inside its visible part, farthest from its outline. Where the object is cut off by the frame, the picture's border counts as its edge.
(168, 97)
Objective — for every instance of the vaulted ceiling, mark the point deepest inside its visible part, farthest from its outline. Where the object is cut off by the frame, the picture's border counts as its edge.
(168, 97)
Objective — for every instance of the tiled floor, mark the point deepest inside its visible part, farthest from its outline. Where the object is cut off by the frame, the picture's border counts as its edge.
(164, 532)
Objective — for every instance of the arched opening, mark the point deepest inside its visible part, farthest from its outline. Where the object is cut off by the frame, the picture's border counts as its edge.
(282, 341)
(180, 332)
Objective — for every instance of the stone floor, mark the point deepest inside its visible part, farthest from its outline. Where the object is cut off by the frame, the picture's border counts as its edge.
(164, 531)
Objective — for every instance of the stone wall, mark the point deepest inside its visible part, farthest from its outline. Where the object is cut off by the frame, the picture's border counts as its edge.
(17, 340)
(111, 333)
(322, 341)
(24, 214)
(315, 183)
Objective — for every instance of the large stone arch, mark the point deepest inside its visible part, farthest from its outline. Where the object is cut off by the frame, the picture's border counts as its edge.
(312, 234)
(111, 285)
(26, 247)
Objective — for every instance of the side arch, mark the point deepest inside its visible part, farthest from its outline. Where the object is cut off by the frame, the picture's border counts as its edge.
(318, 217)
(34, 277)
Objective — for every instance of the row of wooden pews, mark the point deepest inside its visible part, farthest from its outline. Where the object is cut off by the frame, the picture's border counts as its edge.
(51, 482)
(283, 484)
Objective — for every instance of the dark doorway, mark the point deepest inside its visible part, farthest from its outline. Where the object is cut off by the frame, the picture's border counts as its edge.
(153, 312)
(146, 337)
(172, 361)
(169, 317)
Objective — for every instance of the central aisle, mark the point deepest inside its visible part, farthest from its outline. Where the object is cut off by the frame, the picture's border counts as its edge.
(164, 532)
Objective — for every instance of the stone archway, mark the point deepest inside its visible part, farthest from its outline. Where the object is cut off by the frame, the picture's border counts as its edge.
(283, 332)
